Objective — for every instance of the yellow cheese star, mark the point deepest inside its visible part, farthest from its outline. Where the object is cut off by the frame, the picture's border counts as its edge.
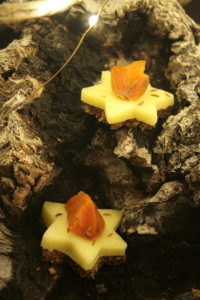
(83, 251)
(118, 110)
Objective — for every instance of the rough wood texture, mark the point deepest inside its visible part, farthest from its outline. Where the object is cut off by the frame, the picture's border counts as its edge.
(169, 153)
(50, 148)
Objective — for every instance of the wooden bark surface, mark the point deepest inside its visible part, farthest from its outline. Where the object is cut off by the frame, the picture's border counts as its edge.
(50, 148)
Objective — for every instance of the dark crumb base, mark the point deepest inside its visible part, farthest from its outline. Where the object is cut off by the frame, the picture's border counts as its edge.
(56, 257)
(100, 115)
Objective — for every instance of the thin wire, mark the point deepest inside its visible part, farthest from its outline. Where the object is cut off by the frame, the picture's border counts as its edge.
(73, 53)
(34, 93)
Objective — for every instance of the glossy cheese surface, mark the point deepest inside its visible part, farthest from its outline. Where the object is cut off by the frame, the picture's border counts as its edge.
(84, 252)
(118, 110)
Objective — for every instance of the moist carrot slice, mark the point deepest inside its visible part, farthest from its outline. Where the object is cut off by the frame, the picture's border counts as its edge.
(129, 82)
(83, 217)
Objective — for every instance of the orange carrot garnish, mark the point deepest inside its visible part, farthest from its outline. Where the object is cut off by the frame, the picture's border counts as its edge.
(129, 82)
(83, 217)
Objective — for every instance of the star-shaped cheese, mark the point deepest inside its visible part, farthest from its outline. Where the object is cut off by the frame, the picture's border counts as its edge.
(83, 251)
(118, 110)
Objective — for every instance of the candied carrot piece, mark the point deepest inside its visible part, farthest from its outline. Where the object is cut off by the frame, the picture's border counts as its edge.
(83, 217)
(129, 82)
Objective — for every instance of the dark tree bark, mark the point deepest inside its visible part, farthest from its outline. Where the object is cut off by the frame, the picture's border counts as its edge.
(50, 148)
